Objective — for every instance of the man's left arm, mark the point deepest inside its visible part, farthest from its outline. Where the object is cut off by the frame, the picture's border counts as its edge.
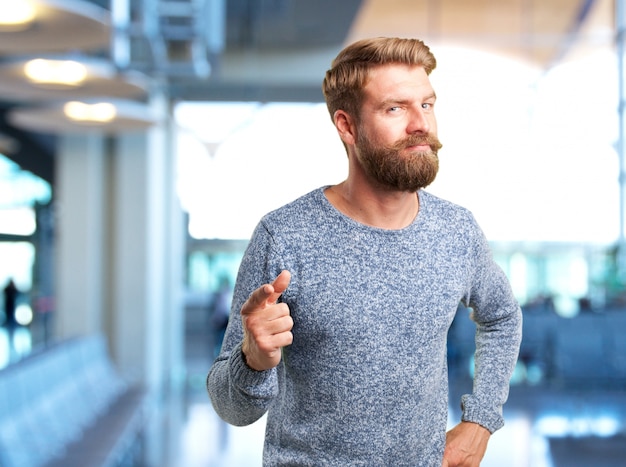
(498, 320)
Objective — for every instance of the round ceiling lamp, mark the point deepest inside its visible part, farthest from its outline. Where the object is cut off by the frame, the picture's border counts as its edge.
(44, 79)
(47, 26)
(110, 116)
(18, 16)
(55, 73)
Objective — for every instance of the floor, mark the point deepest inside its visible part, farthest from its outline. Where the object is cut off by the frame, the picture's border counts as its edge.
(545, 426)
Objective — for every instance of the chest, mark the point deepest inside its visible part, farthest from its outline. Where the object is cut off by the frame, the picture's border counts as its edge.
(359, 292)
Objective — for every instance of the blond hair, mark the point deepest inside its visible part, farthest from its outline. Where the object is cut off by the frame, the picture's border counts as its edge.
(344, 82)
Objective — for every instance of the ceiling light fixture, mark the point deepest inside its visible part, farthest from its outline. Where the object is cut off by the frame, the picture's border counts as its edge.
(81, 112)
(55, 73)
(79, 116)
(17, 16)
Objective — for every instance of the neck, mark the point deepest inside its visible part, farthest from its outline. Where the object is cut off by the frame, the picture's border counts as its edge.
(374, 206)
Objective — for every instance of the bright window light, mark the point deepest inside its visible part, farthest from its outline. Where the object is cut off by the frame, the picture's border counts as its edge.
(226, 154)
(508, 152)
(18, 260)
(17, 221)
(19, 188)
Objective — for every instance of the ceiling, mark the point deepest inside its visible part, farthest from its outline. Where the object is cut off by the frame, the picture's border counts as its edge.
(539, 31)
(279, 50)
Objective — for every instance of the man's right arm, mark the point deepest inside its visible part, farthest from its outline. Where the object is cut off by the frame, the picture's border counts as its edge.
(242, 386)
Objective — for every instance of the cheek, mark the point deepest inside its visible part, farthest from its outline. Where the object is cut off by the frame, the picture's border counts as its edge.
(391, 136)
(384, 135)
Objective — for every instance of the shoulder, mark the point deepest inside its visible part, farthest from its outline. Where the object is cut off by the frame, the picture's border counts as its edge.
(450, 222)
(307, 210)
(440, 209)
(305, 217)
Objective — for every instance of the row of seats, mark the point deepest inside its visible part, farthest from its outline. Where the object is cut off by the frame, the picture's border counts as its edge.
(586, 350)
(67, 406)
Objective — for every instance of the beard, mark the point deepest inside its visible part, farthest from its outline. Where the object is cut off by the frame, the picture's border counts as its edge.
(388, 167)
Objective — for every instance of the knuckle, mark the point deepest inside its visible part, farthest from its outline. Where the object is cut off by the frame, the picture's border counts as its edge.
(265, 345)
(289, 338)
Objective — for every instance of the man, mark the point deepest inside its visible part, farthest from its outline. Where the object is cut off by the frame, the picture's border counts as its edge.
(10, 303)
(345, 345)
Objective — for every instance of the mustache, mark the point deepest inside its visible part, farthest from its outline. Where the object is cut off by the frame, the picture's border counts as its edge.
(418, 140)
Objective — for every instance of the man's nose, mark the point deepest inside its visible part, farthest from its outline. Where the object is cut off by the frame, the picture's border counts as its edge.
(418, 122)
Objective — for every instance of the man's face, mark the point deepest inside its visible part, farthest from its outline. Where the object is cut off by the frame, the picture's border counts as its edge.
(396, 140)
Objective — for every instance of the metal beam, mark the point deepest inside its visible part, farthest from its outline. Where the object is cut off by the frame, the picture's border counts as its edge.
(620, 27)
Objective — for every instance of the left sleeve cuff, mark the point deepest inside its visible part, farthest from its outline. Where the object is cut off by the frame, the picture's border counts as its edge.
(474, 411)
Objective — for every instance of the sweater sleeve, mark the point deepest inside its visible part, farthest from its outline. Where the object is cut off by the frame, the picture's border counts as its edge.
(239, 394)
(498, 319)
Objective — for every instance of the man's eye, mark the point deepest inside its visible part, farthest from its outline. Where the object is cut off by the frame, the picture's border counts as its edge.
(427, 106)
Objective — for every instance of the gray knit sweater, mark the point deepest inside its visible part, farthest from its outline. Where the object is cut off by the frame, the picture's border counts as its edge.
(365, 381)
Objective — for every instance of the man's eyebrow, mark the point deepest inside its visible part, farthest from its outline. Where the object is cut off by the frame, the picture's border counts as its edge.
(393, 101)
(398, 101)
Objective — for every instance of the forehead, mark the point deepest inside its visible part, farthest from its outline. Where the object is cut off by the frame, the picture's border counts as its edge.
(397, 81)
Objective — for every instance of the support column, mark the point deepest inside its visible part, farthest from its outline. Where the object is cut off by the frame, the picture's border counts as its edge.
(147, 257)
(79, 223)
(120, 248)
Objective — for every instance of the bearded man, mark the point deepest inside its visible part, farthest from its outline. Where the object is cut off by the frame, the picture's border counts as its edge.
(345, 296)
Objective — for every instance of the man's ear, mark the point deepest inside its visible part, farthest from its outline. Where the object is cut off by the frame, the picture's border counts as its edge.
(346, 127)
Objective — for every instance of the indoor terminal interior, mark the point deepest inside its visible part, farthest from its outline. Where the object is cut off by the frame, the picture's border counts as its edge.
(142, 141)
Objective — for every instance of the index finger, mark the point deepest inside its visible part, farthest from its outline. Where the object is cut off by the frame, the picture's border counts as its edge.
(269, 293)
(281, 282)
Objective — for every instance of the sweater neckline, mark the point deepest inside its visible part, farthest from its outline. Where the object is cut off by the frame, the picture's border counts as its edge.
(333, 211)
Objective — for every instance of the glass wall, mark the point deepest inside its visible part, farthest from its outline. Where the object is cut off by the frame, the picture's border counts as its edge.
(23, 196)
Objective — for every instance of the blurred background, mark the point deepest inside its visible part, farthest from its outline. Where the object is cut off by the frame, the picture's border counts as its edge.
(141, 141)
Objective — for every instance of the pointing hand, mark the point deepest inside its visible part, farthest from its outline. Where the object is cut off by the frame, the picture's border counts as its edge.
(266, 324)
